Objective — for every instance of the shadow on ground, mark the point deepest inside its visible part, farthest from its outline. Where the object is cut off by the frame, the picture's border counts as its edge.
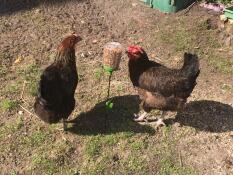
(11, 6)
(119, 119)
(210, 116)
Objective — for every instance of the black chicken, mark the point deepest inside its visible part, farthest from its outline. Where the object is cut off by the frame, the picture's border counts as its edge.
(55, 100)
(160, 87)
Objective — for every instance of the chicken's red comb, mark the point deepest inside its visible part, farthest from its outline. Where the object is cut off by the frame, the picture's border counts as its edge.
(134, 49)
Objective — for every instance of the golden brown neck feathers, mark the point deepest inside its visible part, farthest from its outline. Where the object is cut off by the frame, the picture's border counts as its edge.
(68, 43)
(66, 50)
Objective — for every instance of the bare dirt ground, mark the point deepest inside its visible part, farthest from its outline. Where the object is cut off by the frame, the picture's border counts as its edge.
(198, 141)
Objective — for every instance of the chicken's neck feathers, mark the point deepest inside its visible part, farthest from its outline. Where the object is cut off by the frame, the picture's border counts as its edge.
(65, 57)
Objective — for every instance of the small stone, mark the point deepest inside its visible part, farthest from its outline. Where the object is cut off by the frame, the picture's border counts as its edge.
(231, 21)
(95, 41)
(176, 124)
(18, 60)
(83, 55)
(83, 22)
(37, 11)
(229, 29)
(49, 47)
(220, 25)
(222, 36)
(20, 112)
(223, 18)
(228, 41)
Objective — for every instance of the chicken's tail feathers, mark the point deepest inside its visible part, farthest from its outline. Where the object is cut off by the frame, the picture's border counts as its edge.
(191, 65)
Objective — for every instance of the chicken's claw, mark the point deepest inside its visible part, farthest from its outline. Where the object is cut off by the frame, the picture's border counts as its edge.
(159, 123)
(140, 118)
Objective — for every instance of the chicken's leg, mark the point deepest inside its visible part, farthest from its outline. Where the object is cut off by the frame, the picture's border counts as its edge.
(140, 118)
(64, 124)
(160, 121)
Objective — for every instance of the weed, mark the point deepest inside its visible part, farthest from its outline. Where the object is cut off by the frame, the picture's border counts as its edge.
(13, 88)
(35, 139)
(168, 166)
(135, 164)
(31, 75)
(93, 146)
(7, 105)
(43, 163)
(96, 167)
(11, 127)
(98, 73)
(3, 70)
(224, 65)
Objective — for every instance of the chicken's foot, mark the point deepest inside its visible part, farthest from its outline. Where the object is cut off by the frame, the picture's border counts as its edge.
(140, 118)
(160, 121)
(143, 118)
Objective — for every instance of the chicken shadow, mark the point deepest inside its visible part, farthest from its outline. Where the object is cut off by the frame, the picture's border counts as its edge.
(119, 119)
(11, 6)
(209, 116)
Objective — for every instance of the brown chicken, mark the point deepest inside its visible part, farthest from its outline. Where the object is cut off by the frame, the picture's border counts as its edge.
(160, 87)
(55, 99)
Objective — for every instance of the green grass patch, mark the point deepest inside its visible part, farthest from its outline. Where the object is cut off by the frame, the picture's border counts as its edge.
(43, 163)
(35, 139)
(7, 104)
(93, 146)
(31, 75)
(51, 157)
(193, 39)
(169, 155)
(135, 164)
(169, 166)
(138, 145)
(11, 127)
(3, 70)
(224, 65)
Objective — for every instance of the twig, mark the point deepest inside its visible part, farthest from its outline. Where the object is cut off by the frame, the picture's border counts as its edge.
(189, 8)
(21, 96)
(109, 84)
(27, 110)
(180, 157)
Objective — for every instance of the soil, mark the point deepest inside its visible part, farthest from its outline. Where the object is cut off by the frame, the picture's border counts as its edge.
(30, 33)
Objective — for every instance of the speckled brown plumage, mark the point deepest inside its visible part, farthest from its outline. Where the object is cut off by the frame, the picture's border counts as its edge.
(160, 87)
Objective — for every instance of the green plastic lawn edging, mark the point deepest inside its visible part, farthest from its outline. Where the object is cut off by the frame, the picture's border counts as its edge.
(228, 12)
(168, 6)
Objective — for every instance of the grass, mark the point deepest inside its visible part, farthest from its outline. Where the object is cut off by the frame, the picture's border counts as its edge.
(227, 87)
(51, 157)
(167, 166)
(196, 38)
(11, 127)
(3, 70)
(169, 155)
(136, 164)
(7, 104)
(93, 146)
(35, 139)
(30, 74)
(126, 148)
(222, 64)
(138, 145)
(44, 164)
